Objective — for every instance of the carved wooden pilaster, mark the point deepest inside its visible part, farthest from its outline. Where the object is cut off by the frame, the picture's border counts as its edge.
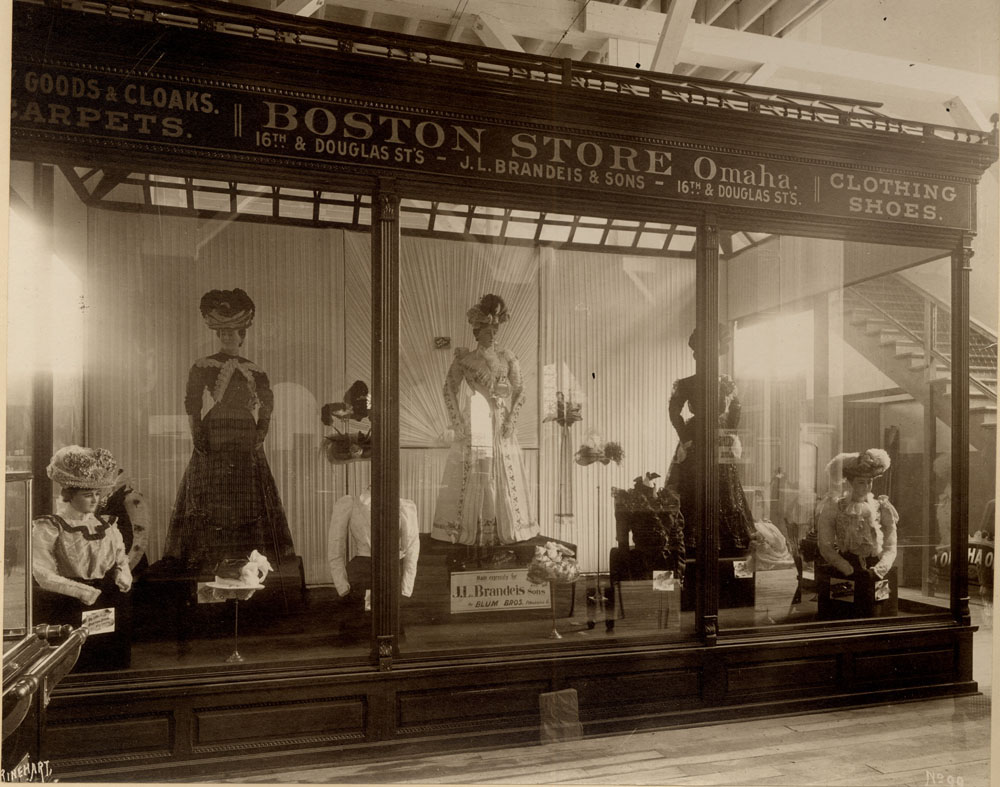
(707, 397)
(385, 421)
(961, 267)
(42, 402)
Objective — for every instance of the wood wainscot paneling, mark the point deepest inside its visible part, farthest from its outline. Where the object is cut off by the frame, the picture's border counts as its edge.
(498, 705)
(780, 677)
(120, 738)
(662, 690)
(219, 729)
(907, 667)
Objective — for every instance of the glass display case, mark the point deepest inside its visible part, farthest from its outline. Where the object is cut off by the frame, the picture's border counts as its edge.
(422, 406)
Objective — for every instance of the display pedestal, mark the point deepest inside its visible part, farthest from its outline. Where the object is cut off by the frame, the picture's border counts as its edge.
(860, 597)
(173, 602)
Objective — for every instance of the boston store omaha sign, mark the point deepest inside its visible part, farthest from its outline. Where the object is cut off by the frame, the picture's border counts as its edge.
(76, 104)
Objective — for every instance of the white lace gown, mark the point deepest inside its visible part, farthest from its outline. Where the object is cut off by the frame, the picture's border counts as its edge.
(483, 497)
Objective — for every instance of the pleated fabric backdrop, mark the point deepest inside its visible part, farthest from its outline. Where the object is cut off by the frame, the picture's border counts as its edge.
(611, 328)
(144, 331)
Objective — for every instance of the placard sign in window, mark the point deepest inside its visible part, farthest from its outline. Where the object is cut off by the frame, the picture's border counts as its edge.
(497, 591)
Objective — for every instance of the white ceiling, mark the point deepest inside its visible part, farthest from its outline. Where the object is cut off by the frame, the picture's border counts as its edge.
(778, 43)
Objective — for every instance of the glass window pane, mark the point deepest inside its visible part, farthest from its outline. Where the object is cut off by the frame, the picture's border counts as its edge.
(533, 384)
(228, 423)
(834, 442)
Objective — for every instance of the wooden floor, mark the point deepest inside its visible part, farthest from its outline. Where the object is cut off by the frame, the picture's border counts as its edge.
(933, 742)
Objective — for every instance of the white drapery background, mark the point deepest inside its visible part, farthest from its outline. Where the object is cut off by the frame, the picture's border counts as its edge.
(611, 326)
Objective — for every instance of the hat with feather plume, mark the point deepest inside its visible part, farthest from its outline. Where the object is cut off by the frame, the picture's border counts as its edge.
(491, 310)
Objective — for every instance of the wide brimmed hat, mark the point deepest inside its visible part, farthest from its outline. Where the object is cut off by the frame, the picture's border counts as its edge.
(227, 309)
(868, 464)
(83, 468)
(491, 310)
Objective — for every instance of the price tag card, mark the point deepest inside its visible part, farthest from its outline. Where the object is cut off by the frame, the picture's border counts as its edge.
(99, 621)
(741, 569)
(663, 580)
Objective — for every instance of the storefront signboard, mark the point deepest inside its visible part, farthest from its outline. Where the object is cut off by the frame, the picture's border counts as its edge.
(503, 590)
(121, 111)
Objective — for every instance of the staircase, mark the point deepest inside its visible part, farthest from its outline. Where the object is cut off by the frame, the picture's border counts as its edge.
(906, 333)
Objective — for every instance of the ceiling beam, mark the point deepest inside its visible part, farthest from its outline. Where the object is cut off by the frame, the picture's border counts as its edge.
(731, 50)
(299, 7)
(716, 8)
(493, 32)
(965, 114)
(716, 46)
(675, 23)
(548, 20)
(789, 12)
(743, 14)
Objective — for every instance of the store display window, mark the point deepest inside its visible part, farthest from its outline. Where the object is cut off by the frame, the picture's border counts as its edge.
(210, 359)
(533, 435)
(548, 399)
(834, 431)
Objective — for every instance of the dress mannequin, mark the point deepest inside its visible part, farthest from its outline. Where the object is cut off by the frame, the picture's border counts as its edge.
(736, 523)
(227, 504)
(483, 498)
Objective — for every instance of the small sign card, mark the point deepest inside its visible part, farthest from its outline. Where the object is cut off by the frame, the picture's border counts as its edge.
(99, 621)
(663, 580)
(497, 591)
(742, 570)
(882, 590)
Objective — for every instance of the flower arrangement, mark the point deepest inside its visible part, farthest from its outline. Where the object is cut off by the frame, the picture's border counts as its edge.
(588, 453)
(347, 446)
(567, 412)
(654, 519)
(553, 563)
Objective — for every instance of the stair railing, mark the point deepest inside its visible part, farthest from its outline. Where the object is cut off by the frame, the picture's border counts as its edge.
(933, 354)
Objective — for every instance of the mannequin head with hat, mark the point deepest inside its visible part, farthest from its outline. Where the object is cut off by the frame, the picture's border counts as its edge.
(84, 475)
(861, 469)
(229, 313)
(486, 317)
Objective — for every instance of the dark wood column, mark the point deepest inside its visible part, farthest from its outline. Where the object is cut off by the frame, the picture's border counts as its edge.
(41, 385)
(385, 421)
(961, 266)
(706, 353)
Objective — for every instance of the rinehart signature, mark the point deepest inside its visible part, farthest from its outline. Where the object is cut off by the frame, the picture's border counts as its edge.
(28, 771)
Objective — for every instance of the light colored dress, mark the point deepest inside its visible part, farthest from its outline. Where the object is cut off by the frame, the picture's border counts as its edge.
(71, 551)
(484, 492)
(865, 529)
